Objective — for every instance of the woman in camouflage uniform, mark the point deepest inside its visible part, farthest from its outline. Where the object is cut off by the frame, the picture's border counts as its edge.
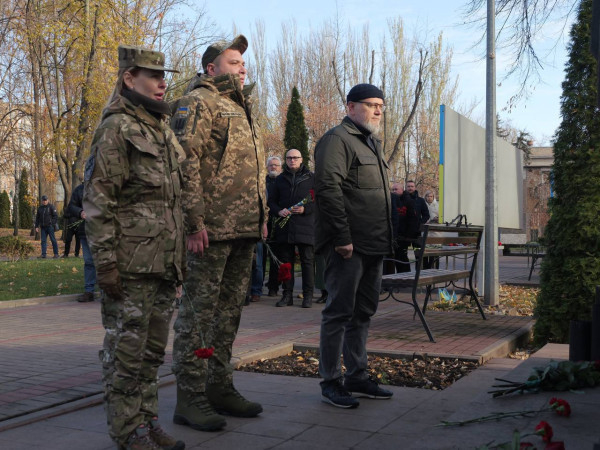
(135, 232)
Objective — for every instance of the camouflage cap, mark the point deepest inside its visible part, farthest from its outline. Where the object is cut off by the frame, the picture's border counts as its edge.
(130, 56)
(239, 43)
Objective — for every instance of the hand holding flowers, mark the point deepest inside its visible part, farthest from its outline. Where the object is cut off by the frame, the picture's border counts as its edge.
(286, 213)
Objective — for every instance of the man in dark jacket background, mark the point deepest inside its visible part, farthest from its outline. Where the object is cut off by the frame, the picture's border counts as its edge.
(408, 227)
(420, 204)
(422, 212)
(354, 233)
(292, 186)
(273, 169)
(70, 233)
(75, 210)
(45, 221)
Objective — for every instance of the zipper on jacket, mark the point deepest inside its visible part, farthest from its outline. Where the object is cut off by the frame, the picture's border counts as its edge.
(196, 118)
(224, 146)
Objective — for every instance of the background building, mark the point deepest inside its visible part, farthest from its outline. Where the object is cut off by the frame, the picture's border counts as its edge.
(537, 190)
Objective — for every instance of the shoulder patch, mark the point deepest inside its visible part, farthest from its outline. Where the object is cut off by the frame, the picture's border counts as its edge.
(180, 119)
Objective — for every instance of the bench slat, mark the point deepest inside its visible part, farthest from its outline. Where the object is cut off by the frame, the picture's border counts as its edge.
(426, 277)
(451, 239)
(461, 229)
(444, 252)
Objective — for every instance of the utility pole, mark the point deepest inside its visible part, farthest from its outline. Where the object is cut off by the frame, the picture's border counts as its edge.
(491, 197)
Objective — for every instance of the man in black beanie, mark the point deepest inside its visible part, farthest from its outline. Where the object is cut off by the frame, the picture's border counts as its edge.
(354, 233)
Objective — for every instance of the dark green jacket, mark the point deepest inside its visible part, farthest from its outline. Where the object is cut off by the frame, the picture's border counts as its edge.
(352, 195)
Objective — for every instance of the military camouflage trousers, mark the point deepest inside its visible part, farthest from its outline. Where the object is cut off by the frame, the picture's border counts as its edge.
(210, 311)
(137, 329)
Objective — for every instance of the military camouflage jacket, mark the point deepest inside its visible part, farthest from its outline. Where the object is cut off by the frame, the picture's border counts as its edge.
(132, 195)
(224, 169)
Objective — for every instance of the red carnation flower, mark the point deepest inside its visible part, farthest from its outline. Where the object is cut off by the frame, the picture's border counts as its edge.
(561, 406)
(285, 272)
(204, 353)
(545, 430)
(557, 445)
(312, 194)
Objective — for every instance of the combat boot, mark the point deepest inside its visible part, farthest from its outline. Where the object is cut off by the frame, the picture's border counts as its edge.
(140, 440)
(227, 400)
(286, 300)
(160, 437)
(194, 410)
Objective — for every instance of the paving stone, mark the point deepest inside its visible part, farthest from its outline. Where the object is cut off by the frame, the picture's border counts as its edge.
(330, 436)
(233, 440)
(50, 356)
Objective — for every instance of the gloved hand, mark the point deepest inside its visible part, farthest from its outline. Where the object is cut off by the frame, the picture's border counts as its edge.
(109, 280)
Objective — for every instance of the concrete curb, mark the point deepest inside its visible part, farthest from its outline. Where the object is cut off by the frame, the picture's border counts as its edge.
(8, 304)
(399, 354)
(267, 353)
(503, 347)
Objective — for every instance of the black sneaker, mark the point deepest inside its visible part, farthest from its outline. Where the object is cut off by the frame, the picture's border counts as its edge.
(335, 393)
(367, 388)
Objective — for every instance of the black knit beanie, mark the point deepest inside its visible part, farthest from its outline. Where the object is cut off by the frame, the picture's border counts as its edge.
(362, 91)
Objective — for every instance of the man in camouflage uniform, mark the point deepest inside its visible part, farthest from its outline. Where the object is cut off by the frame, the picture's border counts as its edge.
(134, 225)
(223, 204)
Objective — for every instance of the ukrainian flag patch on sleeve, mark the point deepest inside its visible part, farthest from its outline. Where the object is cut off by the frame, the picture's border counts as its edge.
(180, 119)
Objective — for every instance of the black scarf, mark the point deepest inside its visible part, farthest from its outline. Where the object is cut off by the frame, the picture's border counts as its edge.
(154, 107)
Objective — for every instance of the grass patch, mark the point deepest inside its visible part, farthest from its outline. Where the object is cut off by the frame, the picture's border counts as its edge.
(40, 278)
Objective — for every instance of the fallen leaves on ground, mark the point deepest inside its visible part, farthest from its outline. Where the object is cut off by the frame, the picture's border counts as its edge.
(514, 301)
(426, 373)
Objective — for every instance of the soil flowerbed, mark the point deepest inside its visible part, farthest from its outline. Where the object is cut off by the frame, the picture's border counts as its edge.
(426, 373)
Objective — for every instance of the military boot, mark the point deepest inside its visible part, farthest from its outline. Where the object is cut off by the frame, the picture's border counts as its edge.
(160, 437)
(227, 400)
(140, 440)
(286, 300)
(195, 411)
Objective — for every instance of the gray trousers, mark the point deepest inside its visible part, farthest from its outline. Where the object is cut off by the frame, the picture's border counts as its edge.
(353, 285)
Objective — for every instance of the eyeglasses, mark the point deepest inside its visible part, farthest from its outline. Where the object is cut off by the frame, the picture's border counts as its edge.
(379, 106)
(293, 157)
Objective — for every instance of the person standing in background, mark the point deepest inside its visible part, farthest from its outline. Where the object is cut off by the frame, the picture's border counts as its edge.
(292, 186)
(274, 169)
(70, 233)
(75, 209)
(46, 220)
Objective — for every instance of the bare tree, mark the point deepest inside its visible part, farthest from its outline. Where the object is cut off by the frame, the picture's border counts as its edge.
(519, 23)
(417, 96)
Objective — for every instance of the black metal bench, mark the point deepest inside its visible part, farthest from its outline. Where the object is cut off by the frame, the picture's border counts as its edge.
(532, 250)
(534, 259)
(436, 246)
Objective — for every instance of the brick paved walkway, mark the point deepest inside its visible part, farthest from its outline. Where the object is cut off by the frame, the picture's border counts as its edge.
(49, 353)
